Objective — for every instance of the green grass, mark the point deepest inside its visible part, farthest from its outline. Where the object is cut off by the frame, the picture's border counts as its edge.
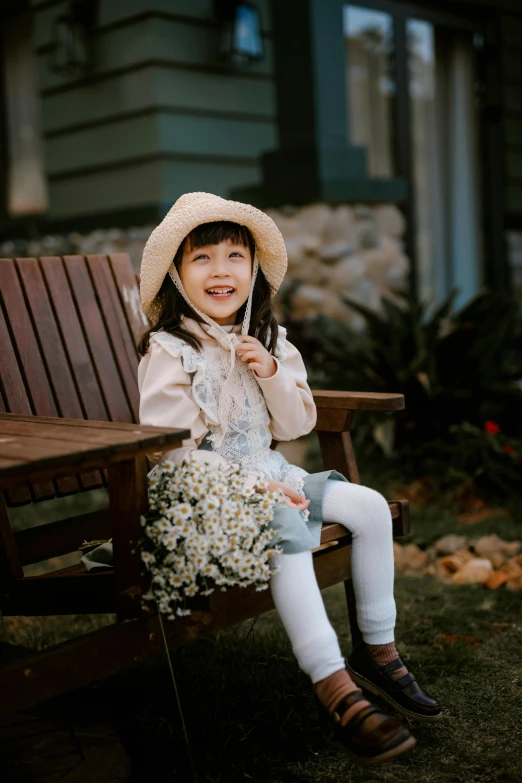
(251, 715)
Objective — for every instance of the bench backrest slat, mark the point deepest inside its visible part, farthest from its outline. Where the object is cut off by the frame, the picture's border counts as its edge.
(15, 394)
(100, 345)
(52, 351)
(73, 337)
(26, 354)
(124, 348)
(129, 294)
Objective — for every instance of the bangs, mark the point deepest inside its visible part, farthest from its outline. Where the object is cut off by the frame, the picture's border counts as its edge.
(220, 231)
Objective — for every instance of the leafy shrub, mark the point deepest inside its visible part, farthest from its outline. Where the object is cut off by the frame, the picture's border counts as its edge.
(460, 373)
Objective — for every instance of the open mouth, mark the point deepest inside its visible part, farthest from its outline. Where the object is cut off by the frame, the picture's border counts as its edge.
(220, 292)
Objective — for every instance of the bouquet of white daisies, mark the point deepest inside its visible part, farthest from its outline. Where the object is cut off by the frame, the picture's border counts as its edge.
(205, 529)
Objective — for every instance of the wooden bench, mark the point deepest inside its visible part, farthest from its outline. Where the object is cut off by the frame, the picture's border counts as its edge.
(68, 330)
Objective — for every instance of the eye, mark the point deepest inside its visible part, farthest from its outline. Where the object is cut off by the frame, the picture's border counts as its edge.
(236, 253)
(201, 255)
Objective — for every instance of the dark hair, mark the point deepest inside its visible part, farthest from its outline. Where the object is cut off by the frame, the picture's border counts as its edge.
(172, 305)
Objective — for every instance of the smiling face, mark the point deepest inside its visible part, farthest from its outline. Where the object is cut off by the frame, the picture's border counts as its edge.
(217, 278)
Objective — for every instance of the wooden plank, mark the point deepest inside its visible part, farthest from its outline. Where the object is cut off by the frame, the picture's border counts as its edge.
(73, 337)
(117, 328)
(70, 591)
(97, 339)
(157, 132)
(41, 453)
(118, 440)
(337, 454)
(115, 426)
(162, 178)
(355, 631)
(53, 354)
(27, 359)
(12, 392)
(144, 435)
(117, 647)
(333, 419)
(12, 474)
(358, 401)
(128, 501)
(131, 93)
(333, 532)
(130, 295)
(37, 382)
(60, 538)
(10, 564)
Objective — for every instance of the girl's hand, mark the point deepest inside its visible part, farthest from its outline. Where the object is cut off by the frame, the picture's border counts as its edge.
(254, 354)
(292, 499)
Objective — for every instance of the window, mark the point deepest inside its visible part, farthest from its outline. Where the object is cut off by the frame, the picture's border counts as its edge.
(26, 191)
(411, 103)
(444, 125)
(371, 86)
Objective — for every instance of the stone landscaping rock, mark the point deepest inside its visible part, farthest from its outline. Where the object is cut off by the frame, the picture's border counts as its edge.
(488, 545)
(414, 558)
(459, 563)
(355, 251)
(496, 580)
(448, 545)
(475, 571)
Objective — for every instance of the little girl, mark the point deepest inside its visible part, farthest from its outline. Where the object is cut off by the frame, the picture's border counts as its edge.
(217, 362)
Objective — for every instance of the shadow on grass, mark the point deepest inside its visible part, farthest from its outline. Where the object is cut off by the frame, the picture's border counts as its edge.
(251, 715)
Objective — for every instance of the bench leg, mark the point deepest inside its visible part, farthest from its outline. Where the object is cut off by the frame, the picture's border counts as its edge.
(352, 613)
(127, 502)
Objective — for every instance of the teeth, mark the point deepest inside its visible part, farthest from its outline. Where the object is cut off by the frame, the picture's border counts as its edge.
(220, 290)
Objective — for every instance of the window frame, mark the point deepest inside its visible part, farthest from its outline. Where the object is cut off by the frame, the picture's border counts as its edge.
(400, 13)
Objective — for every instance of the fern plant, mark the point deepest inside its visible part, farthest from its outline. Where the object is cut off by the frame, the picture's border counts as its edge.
(454, 369)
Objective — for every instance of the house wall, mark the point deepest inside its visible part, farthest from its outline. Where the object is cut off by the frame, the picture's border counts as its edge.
(157, 116)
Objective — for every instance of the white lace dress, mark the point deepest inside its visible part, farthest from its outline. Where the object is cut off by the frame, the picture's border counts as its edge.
(248, 437)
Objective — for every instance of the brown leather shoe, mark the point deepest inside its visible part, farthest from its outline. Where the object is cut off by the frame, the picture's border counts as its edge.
(370, 737)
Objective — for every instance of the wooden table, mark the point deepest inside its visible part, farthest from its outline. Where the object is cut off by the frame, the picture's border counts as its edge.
(35, 449)
(38, 448)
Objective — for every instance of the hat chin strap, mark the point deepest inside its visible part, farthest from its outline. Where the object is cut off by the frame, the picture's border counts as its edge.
(227, 340)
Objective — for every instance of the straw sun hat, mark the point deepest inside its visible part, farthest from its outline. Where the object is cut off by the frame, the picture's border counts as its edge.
(194, 209)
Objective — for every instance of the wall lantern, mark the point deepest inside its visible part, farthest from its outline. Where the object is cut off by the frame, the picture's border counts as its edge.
(72, 54)
(241, 41)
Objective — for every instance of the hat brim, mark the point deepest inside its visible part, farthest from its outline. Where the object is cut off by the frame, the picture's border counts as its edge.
(192, 210)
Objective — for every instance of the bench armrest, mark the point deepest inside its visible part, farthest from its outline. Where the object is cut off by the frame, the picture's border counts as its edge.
(358, 401)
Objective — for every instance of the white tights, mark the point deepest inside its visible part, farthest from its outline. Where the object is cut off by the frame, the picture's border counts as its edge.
(365, 513)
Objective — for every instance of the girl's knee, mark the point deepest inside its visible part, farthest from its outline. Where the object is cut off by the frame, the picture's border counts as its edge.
(374, 508)
(379, 514)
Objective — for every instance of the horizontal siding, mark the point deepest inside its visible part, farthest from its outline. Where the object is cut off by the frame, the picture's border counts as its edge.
(147, 40)
(514, 131)
(151, 182)
(158, 86)
(513, 97)
(514, 200)
(511, 29)
(120, 12)
(157, 133)
(514, 163)
(115, 10)
(512, 64)
(44, 20)
(157, 116)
